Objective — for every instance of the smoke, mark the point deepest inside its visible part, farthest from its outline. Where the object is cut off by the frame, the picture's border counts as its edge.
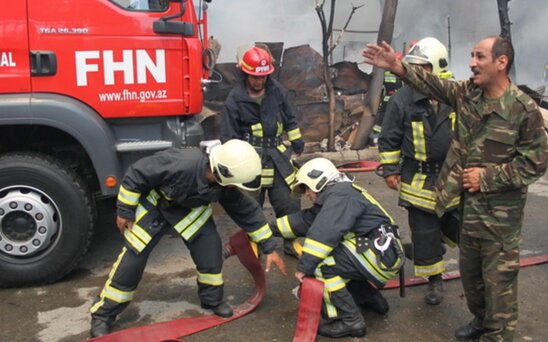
(295, 22)
(242, 22)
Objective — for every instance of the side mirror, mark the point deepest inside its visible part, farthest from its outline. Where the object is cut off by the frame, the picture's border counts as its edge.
(179, 27)
(165, 25)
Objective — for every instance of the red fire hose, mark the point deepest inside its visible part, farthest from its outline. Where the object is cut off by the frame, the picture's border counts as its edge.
(359, 166)
(310, 304)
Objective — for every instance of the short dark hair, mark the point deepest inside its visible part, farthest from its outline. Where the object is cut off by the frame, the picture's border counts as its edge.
(503, 46)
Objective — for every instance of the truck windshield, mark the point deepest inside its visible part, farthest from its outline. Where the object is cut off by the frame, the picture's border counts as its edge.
(143, 5)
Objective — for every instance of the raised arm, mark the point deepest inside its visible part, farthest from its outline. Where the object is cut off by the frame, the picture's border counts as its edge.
(383, 56)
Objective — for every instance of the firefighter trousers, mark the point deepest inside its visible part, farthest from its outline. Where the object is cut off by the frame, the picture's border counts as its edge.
(345, 287)
(428, 231)
(280, 197)
(205, 250)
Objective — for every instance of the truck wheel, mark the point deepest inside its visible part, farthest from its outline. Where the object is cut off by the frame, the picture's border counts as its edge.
(46, 219)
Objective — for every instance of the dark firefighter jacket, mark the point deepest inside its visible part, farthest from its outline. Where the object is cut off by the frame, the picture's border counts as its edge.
(342, 212)
(390, 86)
(172, 183)
(413, 142)
(262, 125)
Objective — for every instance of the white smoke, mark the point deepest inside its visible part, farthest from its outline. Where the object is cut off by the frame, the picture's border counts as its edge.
(295, 22)
(242, 22)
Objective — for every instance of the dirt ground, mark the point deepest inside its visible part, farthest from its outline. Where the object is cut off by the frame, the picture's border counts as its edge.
(59, 312)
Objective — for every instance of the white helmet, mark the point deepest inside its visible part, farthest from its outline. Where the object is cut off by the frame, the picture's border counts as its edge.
(431, 51)
(236, 163)
(315, 174)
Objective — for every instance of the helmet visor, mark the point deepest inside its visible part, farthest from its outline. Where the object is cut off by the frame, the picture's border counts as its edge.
(415, 60)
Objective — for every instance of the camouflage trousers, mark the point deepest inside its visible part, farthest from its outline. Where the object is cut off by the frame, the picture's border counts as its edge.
(489, 271)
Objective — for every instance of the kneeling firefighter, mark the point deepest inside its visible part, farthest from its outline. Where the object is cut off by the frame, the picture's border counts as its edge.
(173, 189)
(351, 244)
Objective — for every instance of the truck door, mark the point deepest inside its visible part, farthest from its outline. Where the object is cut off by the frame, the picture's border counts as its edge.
(14, 49)
(107, 55)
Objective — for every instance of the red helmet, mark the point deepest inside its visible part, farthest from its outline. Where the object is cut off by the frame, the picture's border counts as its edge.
(257, 62)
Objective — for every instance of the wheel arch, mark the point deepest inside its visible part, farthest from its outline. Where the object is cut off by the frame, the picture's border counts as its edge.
(59, 114)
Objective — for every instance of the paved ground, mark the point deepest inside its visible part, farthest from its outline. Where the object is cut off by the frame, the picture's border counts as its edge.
(58, 312)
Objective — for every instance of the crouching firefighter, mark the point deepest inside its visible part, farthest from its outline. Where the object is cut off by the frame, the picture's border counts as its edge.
(173, 189)
(351, 244)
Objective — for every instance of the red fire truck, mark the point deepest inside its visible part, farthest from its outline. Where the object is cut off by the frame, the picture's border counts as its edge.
(86, 89)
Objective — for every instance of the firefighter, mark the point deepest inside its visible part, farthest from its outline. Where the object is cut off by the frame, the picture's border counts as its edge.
(173, 189)
(414, 140)
(351, 244)
(391, 84)
(257, 110)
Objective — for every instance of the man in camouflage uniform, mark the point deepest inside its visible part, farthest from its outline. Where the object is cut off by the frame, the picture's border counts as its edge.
(499, 149)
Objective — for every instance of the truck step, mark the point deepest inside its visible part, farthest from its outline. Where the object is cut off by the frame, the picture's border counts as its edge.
(147, 145)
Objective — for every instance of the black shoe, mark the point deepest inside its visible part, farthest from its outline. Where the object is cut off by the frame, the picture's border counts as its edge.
(470, 332)
(99, 327)
(434, 295)
(377, 303)
(339, 328)
(290, 250)
(222, 310)
(408, 250)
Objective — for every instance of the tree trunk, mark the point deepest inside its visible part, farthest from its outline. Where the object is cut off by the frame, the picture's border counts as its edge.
(372, 98)
(505, 25)
(504, 19)
(327, 29)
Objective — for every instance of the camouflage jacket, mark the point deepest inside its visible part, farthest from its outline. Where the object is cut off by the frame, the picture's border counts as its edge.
(505, 137)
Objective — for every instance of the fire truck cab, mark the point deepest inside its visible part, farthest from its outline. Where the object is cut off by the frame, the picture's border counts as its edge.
(86, 89)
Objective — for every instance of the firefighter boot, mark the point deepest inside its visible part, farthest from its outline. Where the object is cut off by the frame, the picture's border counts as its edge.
(100, 327)
(434, 296)
(376, 302)
(289, 248)
(341, 328)
(221, 310)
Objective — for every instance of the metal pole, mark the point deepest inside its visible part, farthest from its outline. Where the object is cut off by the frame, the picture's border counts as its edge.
(449, 38)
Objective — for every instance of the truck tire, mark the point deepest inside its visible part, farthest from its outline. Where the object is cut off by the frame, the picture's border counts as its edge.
(46, 219)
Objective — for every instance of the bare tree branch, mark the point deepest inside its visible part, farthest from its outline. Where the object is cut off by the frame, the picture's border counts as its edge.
(331, 19)
(339, 37)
